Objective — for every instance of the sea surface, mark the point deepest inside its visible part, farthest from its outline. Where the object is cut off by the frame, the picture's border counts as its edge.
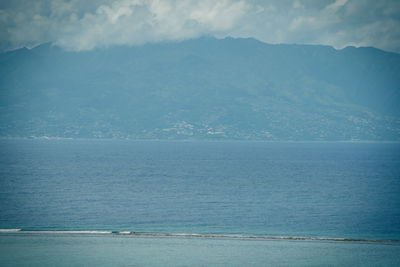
(199, 203)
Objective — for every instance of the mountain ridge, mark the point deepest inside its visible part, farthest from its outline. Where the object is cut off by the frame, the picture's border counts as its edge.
(202, 88)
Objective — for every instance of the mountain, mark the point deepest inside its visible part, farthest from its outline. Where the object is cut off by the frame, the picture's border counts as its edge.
(203, 88)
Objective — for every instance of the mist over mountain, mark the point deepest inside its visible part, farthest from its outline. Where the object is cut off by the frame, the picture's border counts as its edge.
(203, 88)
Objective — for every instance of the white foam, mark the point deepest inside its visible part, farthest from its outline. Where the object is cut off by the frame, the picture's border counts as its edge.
(9, 230)
(124, 233)
(68, 232)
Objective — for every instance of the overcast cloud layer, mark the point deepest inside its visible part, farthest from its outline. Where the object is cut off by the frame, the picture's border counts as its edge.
(85, 25)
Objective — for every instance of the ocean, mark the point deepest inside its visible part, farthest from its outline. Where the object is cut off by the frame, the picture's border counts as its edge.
(198, 203)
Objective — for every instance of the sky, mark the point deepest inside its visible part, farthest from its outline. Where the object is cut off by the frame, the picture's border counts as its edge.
(84, 25)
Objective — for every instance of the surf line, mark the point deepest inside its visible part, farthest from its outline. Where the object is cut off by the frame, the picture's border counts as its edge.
(194, 235)
(265, 237)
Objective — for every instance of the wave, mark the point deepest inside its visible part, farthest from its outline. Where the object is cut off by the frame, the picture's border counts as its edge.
(195, 235)
(81, 232)
(265, 237)
(9, 230)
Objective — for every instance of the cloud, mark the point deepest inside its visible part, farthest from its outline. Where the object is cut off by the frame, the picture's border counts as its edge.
(84, 25)
(338, 23)
(122, 22)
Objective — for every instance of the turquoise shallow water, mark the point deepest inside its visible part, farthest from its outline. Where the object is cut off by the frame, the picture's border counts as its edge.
(98, 250)
(312, 190)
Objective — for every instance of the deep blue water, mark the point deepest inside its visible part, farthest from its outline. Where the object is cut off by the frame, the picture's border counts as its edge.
(289, 189)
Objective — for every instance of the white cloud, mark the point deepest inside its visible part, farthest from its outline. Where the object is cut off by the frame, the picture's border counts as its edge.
(338, 23)
(335, 6)
(124, 22)
(84, 25)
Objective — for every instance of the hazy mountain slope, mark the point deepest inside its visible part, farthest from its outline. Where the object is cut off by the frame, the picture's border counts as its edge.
(203, 88)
